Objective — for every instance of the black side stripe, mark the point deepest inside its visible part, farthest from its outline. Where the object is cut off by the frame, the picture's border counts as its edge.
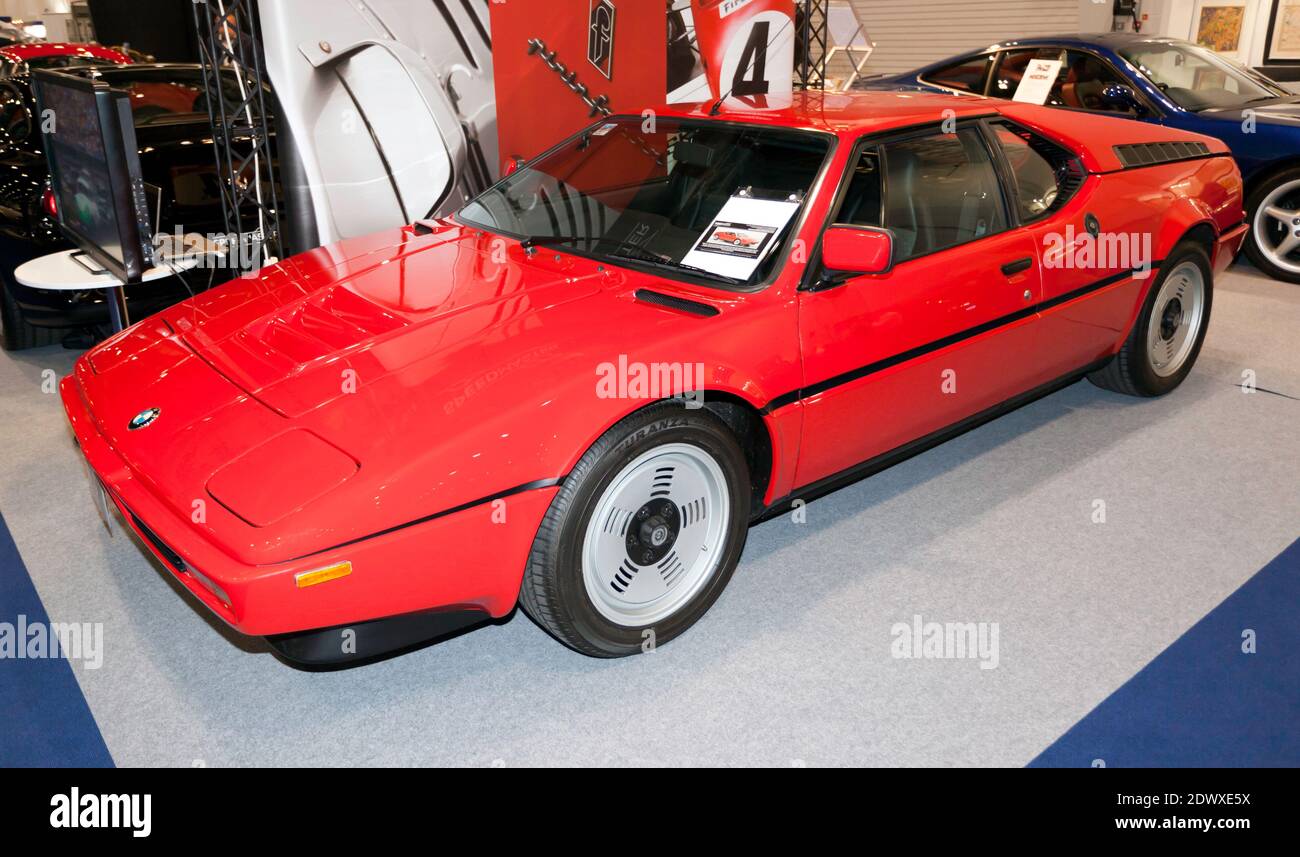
(518, 489)
(921, 350)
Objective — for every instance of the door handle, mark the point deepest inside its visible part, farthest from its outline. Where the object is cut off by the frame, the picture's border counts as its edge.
(1013, 268)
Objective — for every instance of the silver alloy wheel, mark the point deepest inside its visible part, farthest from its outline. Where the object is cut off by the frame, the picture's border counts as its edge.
(1276, 244)
(656, 535)
(1176, 319)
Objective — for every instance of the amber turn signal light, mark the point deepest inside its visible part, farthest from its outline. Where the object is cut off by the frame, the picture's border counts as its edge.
(321, 575)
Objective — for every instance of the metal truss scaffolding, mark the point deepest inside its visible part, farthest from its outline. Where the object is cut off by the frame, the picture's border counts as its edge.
(231, 55)
(811, 49)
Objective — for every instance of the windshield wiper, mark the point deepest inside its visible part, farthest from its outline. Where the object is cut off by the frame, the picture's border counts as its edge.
(655, 260)
(544, 240)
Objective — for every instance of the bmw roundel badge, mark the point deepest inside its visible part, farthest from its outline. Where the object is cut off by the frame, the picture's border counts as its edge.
(144, 418)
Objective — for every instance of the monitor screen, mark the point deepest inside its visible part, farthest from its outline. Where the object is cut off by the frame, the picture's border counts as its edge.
(81, 180)
(94, 171)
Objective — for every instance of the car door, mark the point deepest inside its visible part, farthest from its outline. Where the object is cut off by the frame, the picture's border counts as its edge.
(946, 332)
(1088, 241)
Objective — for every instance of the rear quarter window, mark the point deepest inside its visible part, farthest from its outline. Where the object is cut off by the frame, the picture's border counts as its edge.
(968, 75)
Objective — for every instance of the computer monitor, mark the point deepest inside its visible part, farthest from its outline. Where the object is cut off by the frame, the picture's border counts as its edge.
(89, 138)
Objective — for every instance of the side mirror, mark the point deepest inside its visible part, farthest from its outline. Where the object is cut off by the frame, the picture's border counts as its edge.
(857, 249)
(1120, 95)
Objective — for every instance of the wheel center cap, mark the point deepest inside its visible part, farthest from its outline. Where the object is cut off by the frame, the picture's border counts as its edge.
(653, 531)
(1171, 319)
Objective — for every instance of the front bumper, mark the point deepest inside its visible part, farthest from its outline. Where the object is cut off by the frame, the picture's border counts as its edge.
(470, 560)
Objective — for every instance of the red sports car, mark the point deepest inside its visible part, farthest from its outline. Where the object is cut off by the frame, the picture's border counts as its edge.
(555, 399)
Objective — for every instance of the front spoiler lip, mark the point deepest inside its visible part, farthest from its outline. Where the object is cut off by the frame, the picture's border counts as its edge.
(365, 642)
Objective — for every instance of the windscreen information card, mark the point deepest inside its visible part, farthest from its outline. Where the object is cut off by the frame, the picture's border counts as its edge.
(741, 236)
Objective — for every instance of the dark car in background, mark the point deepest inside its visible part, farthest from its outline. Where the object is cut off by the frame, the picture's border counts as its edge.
(169, 103)
(1166, 82)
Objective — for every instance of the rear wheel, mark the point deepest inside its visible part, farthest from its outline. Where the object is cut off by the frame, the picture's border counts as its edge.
(1166, 339)
(1273, 244)
(644, 534)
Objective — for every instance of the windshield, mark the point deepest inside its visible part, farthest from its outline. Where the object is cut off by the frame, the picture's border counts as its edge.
(1198, 79)
(705, 199)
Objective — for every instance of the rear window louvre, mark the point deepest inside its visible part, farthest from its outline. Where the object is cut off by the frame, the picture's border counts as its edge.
(1145, 154)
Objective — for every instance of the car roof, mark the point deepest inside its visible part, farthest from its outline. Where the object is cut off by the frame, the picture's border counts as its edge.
(34, 50)
(850, 115)
(1114, 41)
(839, 112)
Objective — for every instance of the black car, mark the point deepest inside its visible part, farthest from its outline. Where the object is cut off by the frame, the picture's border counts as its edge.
(176, 157)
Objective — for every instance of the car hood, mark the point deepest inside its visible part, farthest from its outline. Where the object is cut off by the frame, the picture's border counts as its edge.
(364, 386)
(1285, 111)
(294, 334)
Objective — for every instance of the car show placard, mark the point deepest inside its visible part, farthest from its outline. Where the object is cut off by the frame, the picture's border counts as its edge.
(742, 235)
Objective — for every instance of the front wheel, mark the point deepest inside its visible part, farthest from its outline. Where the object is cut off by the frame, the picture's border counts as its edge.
(1166, 339)
(15, 333)
(644, 534)
(1273, 243)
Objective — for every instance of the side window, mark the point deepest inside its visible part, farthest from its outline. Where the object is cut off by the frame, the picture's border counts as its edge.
(1045, 174)
(1012, 69)
(968, 75)
(1078, 84)
(1081, 81)
(861, 205)
(940, 191)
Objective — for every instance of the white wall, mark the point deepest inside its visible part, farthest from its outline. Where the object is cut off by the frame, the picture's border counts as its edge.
(1096, 17)
(918, 32)
(31, 10)
(914, 33)
(1176, 17)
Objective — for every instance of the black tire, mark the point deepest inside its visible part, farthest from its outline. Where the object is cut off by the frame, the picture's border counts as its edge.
(1253, 213)
(1131, 371)
(15, 333)
(553, 591)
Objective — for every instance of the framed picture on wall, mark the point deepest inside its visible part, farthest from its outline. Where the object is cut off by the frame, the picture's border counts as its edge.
(1283, 43)
(1218, 25)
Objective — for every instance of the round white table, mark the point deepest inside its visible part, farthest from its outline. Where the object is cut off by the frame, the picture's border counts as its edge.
(60, 272)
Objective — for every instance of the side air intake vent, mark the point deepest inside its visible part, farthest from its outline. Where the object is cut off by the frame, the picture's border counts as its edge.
(674, 302)
(1145, 154)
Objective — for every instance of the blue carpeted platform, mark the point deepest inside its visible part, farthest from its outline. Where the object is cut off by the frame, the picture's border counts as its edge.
(1203, 701)
(44, 719)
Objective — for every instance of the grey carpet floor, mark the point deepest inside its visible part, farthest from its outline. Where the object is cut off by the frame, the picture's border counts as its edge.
(793, 665)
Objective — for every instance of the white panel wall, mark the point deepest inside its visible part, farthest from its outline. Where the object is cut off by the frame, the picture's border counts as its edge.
(31, 10)
(1177, 18)
(917, 32)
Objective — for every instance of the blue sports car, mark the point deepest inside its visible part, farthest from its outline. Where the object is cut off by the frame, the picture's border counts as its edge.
(1167, 82)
